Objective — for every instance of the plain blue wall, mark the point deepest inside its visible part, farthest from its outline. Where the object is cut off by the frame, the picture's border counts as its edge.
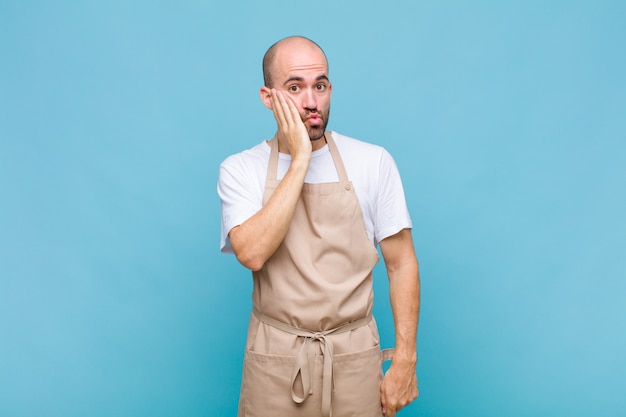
(507, 121)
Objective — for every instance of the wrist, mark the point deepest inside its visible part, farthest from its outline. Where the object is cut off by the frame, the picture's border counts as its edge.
(405, 356)
(300, 161)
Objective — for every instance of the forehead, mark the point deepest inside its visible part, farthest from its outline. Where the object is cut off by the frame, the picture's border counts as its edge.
(299, 58)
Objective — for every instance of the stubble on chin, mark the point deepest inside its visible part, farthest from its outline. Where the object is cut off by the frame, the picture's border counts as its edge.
(316, 133)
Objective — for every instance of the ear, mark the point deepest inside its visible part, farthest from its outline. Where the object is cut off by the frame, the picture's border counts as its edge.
(266, 97)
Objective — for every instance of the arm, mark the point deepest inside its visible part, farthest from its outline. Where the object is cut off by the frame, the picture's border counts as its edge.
(256, 239)
(399, 385)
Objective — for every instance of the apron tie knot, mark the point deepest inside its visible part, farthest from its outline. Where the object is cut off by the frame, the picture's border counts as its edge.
(305, 360)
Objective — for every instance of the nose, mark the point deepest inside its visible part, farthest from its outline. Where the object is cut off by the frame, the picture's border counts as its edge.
(309, 101)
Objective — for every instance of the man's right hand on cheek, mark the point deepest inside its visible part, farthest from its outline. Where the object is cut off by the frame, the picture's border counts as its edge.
(292, 132)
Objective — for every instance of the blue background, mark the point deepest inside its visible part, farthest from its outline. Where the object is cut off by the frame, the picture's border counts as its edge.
(507, 121)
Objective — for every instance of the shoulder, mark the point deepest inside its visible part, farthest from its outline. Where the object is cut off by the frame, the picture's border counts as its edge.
(352, 144)
(248, 161)
(356, 152)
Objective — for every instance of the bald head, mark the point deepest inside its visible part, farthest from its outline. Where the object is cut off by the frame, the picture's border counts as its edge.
(286, 46)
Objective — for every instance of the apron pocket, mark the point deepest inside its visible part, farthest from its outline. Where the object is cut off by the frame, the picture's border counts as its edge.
(357, 384)
(266, 388)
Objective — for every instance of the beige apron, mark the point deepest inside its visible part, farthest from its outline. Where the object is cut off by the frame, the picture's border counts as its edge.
(313, 347)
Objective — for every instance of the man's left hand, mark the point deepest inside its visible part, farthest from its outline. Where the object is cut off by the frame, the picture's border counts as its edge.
(399, 388)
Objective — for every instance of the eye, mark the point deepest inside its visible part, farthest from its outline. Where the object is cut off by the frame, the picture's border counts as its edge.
(294, 88)
(320, 87)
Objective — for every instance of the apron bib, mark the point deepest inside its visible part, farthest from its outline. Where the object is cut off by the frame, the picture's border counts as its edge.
(313, 347)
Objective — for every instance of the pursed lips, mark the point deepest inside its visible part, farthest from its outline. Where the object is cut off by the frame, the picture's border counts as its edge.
(314, 118)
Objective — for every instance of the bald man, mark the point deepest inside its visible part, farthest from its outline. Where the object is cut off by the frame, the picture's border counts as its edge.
(304, 212)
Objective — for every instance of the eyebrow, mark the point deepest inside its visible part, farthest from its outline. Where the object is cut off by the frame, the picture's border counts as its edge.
(296, 78)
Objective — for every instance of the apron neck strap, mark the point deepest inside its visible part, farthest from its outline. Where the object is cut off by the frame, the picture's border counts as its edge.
(273, 164)
(334, 152)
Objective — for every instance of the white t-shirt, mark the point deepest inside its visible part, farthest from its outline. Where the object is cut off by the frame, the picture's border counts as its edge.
(370, 168)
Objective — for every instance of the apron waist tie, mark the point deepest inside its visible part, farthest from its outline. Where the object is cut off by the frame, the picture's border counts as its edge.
(305, 360)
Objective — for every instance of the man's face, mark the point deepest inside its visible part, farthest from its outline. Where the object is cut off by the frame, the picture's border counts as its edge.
(300, 72)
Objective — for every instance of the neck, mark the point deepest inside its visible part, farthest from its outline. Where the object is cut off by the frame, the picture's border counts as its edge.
(316, 144)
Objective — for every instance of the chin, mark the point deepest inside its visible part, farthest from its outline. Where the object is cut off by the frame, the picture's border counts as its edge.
(316, 133)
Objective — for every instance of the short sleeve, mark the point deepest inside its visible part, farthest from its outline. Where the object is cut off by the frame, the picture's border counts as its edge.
(392, 214)
(241, 192)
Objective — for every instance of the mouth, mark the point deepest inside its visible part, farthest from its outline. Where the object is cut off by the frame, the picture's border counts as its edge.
(315, 119)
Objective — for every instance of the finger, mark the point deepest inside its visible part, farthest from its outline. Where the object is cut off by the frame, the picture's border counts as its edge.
(290, 110)
(389, 407)
(293, 110)
(278, 108)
